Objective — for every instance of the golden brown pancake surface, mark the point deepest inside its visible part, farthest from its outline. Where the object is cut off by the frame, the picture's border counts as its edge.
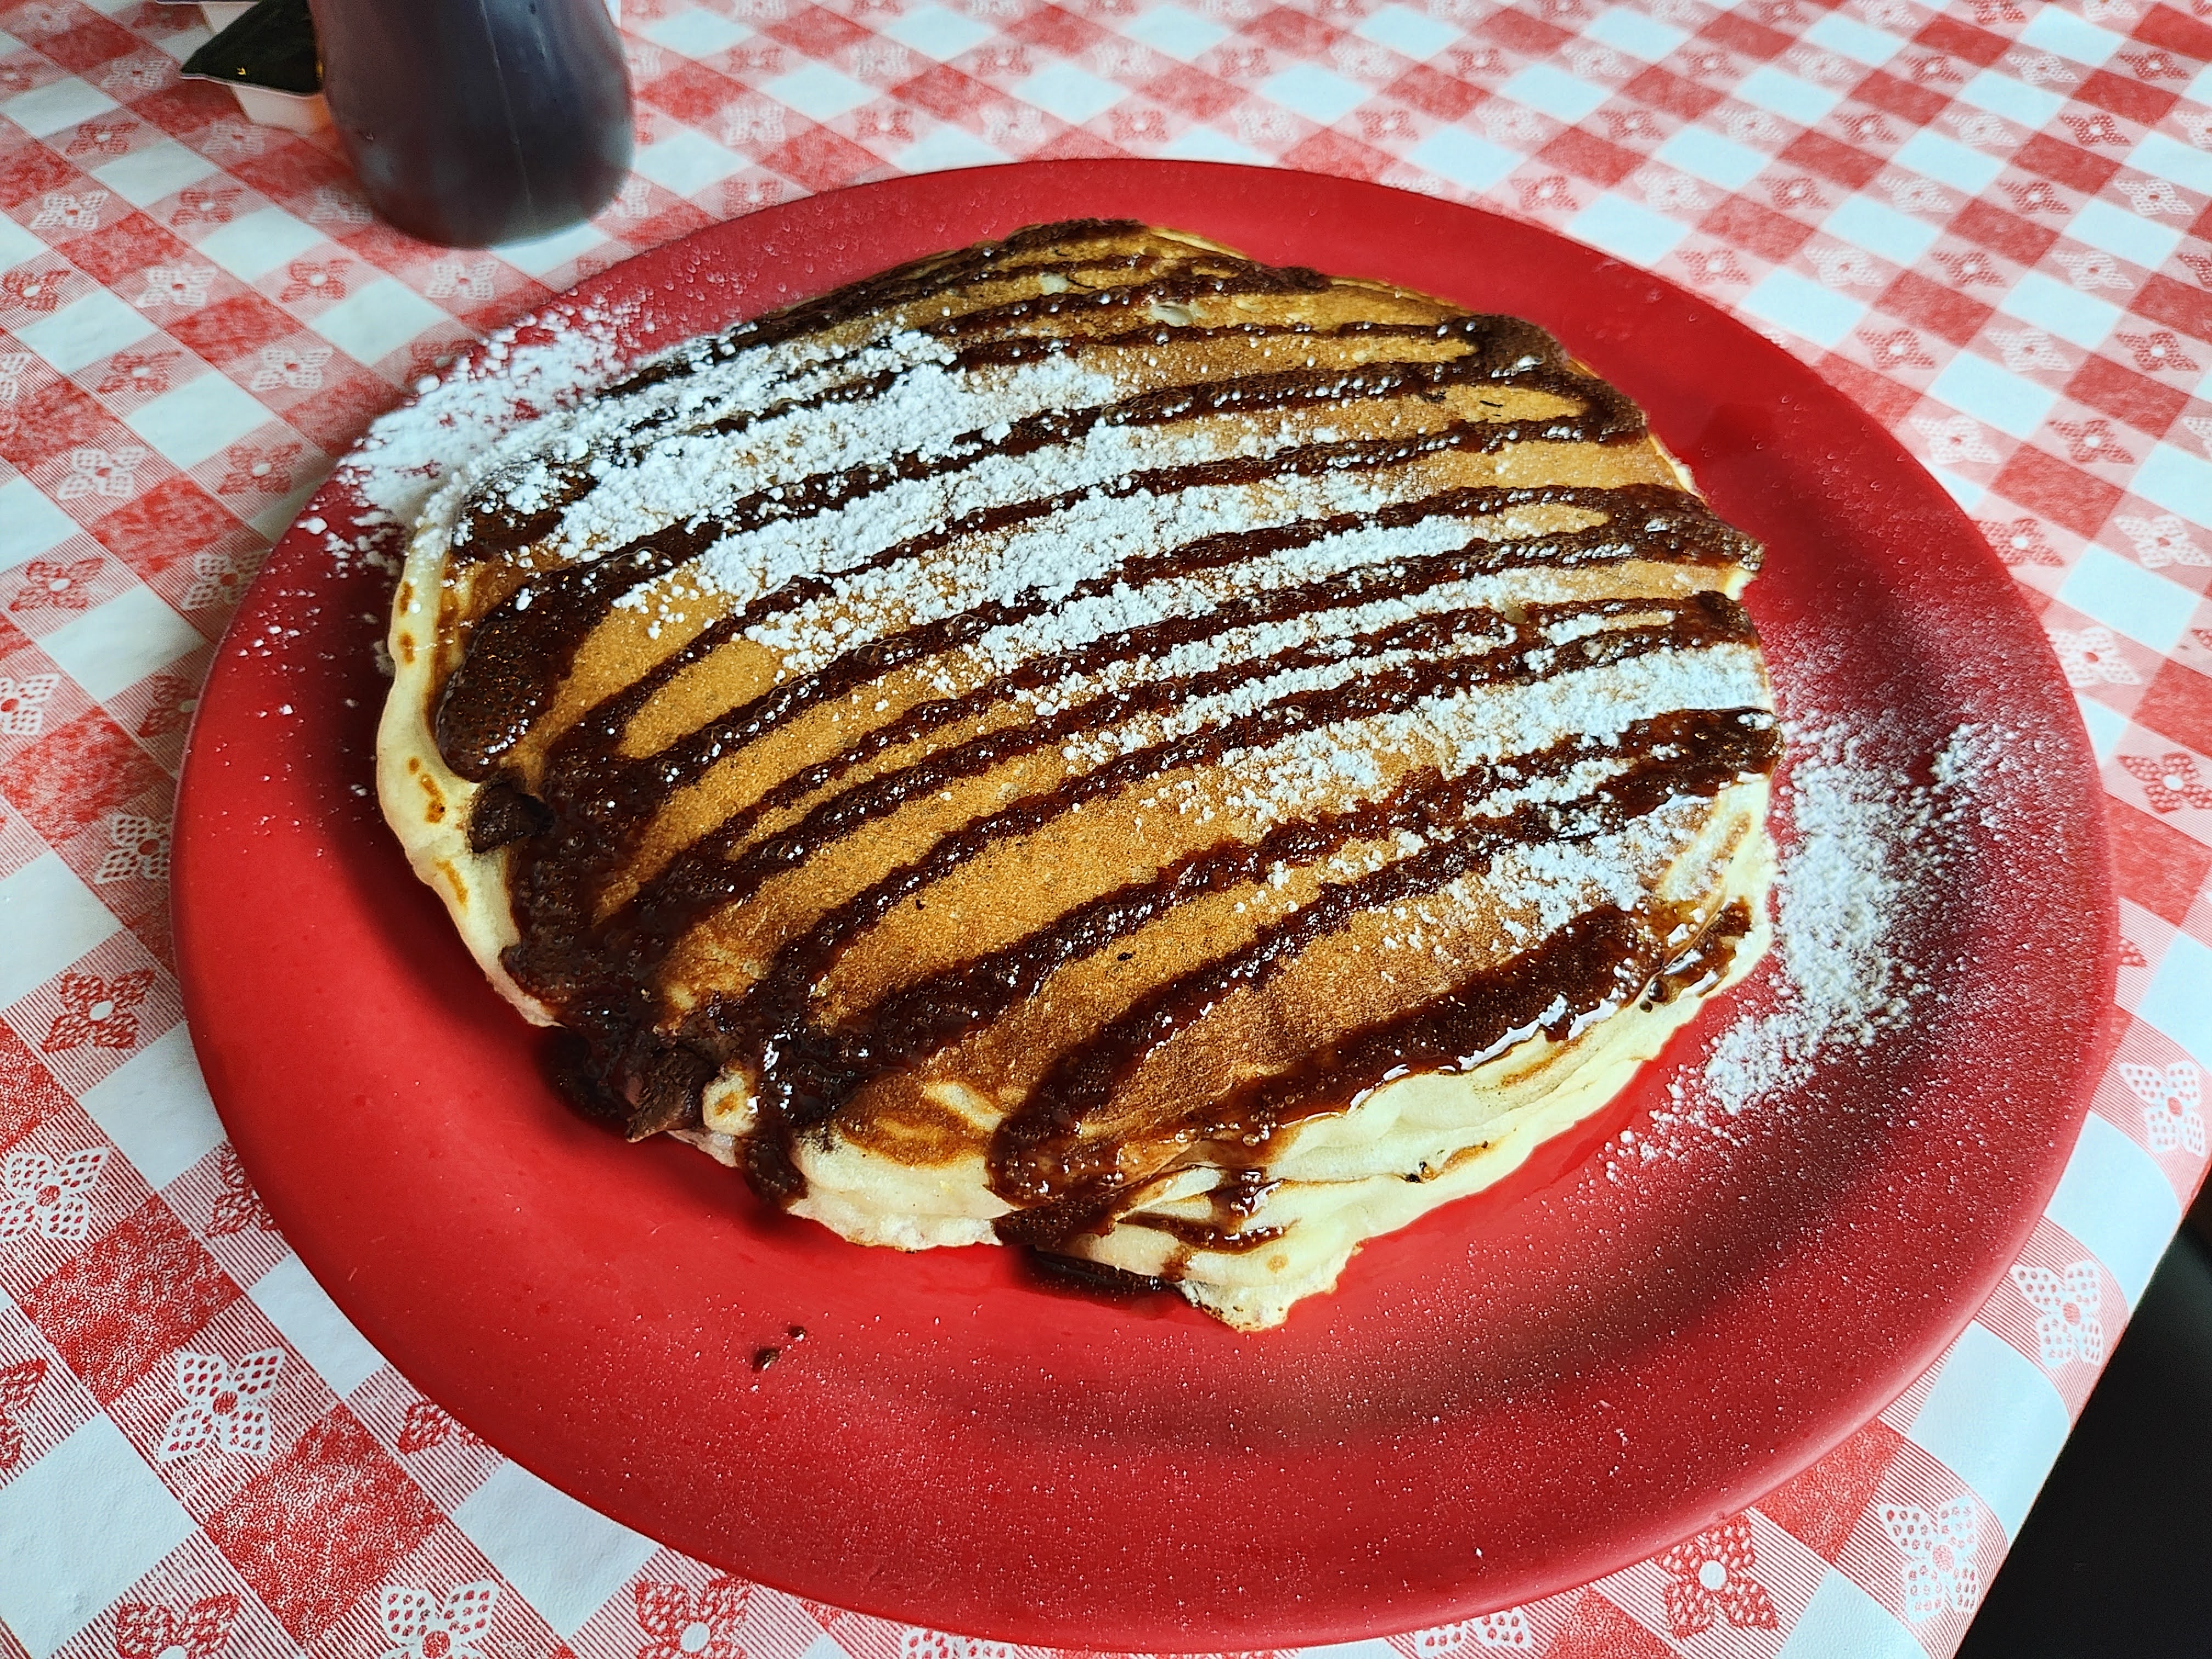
(1096, 742)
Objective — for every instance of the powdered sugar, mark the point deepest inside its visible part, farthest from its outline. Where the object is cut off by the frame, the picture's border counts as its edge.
(928, 413)
(1866, 846)
(527, 368)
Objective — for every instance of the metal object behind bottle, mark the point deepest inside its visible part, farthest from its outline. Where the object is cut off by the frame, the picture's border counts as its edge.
(471, 122)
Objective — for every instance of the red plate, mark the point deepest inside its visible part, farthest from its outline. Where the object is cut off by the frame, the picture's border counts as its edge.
(1519, 1394)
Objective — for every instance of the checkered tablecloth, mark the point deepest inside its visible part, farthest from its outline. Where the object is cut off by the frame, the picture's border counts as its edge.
(1986, 223)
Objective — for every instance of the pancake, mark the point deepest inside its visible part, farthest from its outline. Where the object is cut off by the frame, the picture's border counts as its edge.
(1093, 743)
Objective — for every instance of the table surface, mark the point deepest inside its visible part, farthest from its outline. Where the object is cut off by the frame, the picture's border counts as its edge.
(1988, 223)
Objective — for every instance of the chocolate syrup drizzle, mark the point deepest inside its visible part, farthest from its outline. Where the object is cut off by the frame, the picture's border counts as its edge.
(575, 821)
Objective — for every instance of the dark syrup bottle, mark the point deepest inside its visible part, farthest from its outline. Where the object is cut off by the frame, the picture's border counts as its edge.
(470, 122)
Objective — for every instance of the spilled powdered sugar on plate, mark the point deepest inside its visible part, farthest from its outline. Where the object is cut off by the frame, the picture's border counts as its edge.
(533, 366)
(537, 363)
(1865, 846)
(550, 359)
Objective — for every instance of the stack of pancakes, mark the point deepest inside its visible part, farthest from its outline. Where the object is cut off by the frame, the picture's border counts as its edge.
(1095, 743)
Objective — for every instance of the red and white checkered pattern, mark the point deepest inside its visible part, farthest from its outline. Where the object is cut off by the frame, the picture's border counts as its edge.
(1988, 223)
